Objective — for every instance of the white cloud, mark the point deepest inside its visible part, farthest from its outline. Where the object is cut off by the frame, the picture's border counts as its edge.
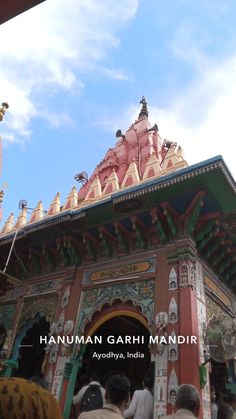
(202, 119)
(114, 74)
(47, 46)
(186, 48)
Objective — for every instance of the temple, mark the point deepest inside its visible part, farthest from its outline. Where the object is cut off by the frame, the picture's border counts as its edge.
(146, 248)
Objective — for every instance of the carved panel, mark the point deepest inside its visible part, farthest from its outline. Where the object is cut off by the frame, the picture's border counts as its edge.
(140, 293)
(45, 305)
(43, 287)
(120, 271)
(213, 308)
(217, 291)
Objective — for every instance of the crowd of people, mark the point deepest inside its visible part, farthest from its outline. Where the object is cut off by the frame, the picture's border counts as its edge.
(30, 399)
(115, 402)
(93, 401)
(119, 405)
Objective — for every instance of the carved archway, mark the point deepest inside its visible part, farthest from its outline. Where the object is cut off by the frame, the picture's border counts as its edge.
(30, 352)
(115, 309)
(117, 320)
(136, 297)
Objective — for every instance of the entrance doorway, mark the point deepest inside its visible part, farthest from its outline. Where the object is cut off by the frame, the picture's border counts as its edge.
(31, 351)
(117, 352)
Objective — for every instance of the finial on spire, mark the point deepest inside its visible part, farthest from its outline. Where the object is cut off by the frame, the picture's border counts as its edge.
(1, 196)
(3, 109)
(144, 110)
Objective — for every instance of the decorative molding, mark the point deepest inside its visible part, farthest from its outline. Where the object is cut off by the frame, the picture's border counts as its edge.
(177, 178)
(181, 253)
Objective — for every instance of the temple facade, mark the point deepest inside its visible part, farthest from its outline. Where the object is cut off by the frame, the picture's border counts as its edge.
(126, 274)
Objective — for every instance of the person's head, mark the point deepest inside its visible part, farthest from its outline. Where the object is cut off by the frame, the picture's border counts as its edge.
(188, 398)
(225, 412)
(148, 381)
(84, 380)
(118, 391)
(95, 376)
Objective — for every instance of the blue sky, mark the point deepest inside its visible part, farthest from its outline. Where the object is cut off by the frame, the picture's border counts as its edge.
(74, 72)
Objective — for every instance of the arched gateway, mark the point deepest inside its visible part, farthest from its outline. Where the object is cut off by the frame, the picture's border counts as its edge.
(112, 312)
(119, 340)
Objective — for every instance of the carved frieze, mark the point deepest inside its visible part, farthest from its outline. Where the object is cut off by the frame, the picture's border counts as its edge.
(217, 291)
(45, 305)
(44, 287)
(140, 293)
(213, 308)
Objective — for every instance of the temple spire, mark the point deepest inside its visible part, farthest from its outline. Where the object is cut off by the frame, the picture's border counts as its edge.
(144, 110)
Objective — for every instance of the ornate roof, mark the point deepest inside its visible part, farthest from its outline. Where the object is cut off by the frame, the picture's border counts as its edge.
(141, 196)
(139, 155)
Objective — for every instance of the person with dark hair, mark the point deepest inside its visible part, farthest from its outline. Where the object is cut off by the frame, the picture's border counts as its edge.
(92, 395)
(187, 402)
(117, 398)
(142, 404)
(225, 412)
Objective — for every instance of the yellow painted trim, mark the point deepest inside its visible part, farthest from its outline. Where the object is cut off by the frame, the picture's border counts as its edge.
(114, 314)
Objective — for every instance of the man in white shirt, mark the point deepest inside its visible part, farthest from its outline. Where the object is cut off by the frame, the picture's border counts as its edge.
(141, 406)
